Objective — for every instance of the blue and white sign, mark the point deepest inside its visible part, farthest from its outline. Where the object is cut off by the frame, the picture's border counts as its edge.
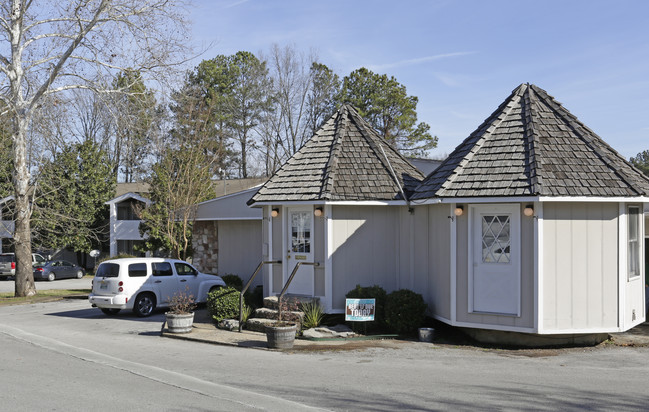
(360, 310)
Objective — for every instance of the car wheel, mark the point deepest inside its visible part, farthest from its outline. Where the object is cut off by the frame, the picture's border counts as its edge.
(79, 274)
(144, 305)
(51, 277)
(109, 311)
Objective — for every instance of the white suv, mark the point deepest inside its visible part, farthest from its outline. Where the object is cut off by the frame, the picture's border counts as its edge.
(142, 284)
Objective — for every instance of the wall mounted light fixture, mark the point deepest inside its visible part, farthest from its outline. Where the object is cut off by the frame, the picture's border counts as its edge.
(528, 211)
(318, 211)
(459, 210)
(274, 212)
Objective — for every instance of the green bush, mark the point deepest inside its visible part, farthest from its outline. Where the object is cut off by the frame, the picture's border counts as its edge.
(405, 311)
(233, 281)
(371, 292)
(223, 303)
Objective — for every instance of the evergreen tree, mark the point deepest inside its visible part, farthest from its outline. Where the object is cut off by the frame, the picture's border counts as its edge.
(385, 104)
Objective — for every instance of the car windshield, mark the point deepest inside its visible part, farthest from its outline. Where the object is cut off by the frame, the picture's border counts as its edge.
(108, 270)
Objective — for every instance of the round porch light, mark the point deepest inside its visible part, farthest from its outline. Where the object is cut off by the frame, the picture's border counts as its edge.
(459, 210)
(318, 211)
(274, 212)
(528, 211)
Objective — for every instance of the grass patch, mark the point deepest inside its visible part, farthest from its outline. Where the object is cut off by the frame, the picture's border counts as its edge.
(50, 295)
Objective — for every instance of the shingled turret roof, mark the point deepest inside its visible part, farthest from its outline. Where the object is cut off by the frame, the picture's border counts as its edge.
(533, 146)
(346, 160)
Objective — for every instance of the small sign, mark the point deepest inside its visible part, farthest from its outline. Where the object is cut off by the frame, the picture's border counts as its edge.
(360, 310)
(94, 253)
(300, 257)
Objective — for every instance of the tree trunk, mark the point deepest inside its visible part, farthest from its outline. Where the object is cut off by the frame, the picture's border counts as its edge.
(244, 163)
(24, 284)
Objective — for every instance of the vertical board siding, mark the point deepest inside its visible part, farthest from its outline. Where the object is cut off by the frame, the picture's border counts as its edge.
(438, 232)
(239, 248)
(279, 253)
(526, 318)
(318, 244)
(580, 266)
(365, 249)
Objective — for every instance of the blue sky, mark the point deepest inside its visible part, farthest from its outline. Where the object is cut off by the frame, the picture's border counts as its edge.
(463, 58)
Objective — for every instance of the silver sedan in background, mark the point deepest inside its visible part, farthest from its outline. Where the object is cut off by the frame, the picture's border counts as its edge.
(58, 269)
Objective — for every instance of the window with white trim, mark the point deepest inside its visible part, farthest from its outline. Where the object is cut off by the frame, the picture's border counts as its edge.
(633, 236)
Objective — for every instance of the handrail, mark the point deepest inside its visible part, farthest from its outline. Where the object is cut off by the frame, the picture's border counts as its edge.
(288, 283)
(245, 288)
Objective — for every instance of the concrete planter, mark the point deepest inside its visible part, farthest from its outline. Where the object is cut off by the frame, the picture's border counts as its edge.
(281, 337)
(180, 323)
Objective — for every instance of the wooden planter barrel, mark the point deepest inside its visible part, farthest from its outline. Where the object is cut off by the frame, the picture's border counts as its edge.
(281, 337)
(180, 323)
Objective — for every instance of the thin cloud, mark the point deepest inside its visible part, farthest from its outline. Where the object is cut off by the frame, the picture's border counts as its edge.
(419, 60)
(235, 4)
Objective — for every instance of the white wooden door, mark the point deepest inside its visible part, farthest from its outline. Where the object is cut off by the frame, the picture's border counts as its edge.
(495, 256)
(300, 249)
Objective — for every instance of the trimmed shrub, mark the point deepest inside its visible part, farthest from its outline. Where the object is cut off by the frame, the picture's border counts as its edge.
(223, 303)
(405, 311)
(233, 281)
(371, 292)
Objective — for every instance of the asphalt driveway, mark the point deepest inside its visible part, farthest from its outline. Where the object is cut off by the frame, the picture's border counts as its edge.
(83, 283)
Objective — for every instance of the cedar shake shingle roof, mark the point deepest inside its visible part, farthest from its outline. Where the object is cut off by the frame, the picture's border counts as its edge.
(346, 160)
(533, 146)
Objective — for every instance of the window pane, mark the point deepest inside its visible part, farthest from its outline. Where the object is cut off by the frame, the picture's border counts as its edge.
(161, 269)
(301, 232)
(496, 242)
(184, 269)
(633, 253)
(107, 270)
(137, 270)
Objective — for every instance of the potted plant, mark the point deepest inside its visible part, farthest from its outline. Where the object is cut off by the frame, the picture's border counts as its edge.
(180, 316)
(281, 334)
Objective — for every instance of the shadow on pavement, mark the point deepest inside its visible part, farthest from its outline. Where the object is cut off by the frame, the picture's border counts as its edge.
(94, 313)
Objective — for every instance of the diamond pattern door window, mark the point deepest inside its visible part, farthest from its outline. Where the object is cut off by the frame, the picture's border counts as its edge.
(301, 232)
(496, 239)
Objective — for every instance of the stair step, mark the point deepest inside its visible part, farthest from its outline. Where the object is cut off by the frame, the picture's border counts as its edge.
(259, 324)
(291, 301)
(266, 313)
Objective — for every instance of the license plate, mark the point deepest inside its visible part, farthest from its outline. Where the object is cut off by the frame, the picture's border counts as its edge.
(103, 285)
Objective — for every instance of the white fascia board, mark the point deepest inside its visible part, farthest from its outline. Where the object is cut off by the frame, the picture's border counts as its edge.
(204, 219)
(333, 203)
(523, 199)
(129, 195)
(598, 199)
(418, 202)
(503, 199)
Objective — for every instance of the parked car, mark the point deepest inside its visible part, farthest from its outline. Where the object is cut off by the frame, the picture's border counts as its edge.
(143, 284)
(58, 269)
(8, 263)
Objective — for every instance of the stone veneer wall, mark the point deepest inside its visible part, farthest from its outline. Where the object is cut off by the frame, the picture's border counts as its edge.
(205, 245)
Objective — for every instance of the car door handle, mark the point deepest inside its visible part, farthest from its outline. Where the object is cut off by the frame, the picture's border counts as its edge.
(157, 281)
(183, 280)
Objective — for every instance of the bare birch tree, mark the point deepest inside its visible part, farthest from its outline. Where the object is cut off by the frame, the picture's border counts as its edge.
(49, 47)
